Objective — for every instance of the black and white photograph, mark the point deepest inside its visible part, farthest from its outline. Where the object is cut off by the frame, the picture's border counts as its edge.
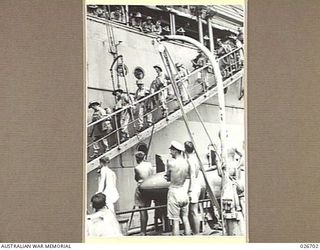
(165, 120)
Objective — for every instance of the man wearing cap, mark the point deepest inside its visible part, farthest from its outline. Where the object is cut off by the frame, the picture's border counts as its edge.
(239, 46)
(117, 14)
(92, 9)
(142, 171)
(141, 106)
(182, 86)
(122, 101)
(160, 83)
(102, 222)
(200, 61)
(100, 129)
(195, 189)
(107, 183)
(137, 21)
(147, 26)
(222, 50)
(178, 171)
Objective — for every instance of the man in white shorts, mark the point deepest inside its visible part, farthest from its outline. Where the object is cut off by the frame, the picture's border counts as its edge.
(178, 201)
(195, 189)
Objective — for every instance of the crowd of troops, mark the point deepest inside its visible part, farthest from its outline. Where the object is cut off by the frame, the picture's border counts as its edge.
(137, 21)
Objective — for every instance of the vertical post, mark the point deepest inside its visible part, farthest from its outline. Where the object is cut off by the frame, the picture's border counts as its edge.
(127, 15)
(172, 24)
(200, 30)
(211, 43)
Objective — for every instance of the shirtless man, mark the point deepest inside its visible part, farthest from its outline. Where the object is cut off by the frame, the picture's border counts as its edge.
(142, 171)
(178, 200)
(195, 189)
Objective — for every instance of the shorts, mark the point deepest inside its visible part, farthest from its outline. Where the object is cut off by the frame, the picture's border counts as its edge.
(195, 191)
(178, 203)
(141, 201)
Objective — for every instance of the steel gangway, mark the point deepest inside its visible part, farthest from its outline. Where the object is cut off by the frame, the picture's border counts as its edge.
(232, 73)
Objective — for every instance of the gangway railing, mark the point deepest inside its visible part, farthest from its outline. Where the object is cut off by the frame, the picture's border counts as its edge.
(195, 88)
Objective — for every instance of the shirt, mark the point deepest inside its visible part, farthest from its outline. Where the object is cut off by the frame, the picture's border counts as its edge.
(102, 223)
(107, 184)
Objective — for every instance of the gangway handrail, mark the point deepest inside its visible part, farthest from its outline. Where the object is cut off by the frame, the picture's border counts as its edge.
(134, 120)
(145, 98)
(229, 53)
(151, 208)
(158, 91)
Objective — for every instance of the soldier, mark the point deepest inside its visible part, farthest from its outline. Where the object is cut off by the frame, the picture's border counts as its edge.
(122, 101)
(222, 50)
(157, 29)
(195, 189)
(117, 14)
(200, 61)
(100, 129)
(102, 222)
(147, 26)
(239, 46)
(142, 171)
(137, 21)
(141, 106)
(240, 34)
(159, 83)
(178, 172)
(107, 183)
(182, 86)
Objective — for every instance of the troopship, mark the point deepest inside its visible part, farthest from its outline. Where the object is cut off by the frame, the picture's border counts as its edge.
(120, 51)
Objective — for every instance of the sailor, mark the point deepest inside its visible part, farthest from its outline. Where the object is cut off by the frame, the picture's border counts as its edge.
(182, 86)
(102, 222)
(107, 183)
(147, 26)
(195, 189)
(122, 101)
(100, 129)
(142, 171)
(178, 172)
(141, 93)
(160, 82)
